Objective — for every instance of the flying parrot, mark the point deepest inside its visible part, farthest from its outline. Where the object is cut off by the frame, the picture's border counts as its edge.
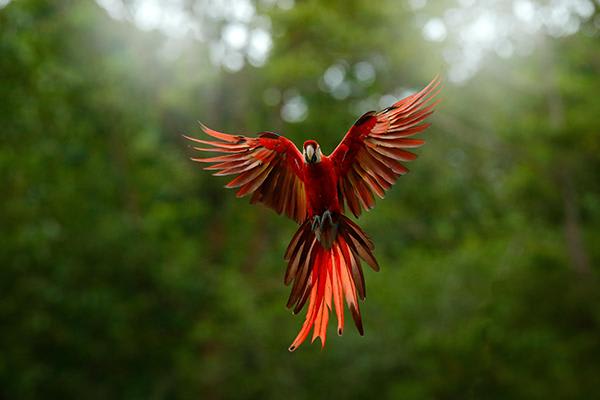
(325, 254)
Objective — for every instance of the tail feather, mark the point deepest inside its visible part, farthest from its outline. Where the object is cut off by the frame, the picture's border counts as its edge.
(349, 289)
(326, 277)
(352, 261)
(308, 257)
(338, 293)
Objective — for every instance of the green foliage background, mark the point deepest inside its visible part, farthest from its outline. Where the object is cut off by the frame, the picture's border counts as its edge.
(127, 272)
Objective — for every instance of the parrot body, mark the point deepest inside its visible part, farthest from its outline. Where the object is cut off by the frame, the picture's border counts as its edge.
(325, 254)
(320, 187)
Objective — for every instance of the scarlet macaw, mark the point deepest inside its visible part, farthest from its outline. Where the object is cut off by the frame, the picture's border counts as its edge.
(324, 256)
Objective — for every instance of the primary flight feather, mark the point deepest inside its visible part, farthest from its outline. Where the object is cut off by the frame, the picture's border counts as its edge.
(324, 256)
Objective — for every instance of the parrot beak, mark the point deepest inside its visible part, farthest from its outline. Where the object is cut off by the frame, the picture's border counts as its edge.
(310, 156)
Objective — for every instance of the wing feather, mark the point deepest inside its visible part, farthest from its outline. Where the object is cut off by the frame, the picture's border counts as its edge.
(369, 158)
(266, 166)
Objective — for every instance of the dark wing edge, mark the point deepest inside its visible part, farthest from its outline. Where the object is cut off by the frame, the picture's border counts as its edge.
(267, 166)
(369, 158)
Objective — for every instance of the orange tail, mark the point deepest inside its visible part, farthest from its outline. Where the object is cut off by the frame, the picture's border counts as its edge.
(321, 273)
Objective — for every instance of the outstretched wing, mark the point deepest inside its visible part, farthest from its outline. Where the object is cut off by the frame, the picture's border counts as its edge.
(369, 157)
(267, 166)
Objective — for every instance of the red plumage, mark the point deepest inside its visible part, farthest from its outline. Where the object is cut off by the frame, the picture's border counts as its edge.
(324, 256)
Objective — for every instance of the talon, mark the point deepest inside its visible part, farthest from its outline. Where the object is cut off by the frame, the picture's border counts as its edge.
(327, 214)
(316, 222)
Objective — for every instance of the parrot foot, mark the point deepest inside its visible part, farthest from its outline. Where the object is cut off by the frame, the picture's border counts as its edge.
(316, 223)
(326, 216)
(324, 232)
(320, 220)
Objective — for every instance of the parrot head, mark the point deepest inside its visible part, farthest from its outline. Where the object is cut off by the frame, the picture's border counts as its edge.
(312, 152)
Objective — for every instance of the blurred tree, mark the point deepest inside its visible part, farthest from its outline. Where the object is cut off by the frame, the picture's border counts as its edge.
(127, 272)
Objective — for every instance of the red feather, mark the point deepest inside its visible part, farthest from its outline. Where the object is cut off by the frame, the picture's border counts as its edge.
(383, 135)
